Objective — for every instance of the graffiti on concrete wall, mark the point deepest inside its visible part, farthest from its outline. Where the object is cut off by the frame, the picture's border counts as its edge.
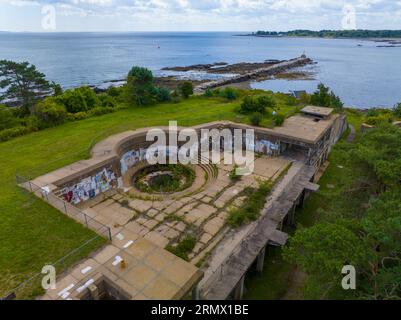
(266, 147)
(131, 158)
(90, 187)
(262, 146)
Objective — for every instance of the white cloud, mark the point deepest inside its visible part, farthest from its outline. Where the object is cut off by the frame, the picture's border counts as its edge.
(224, 14)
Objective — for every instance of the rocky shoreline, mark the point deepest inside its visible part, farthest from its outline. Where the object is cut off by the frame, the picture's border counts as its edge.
(238, 74)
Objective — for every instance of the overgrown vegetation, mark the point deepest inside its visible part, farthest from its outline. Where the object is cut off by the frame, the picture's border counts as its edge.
(233, 174)
(250, 210)
(170, 178)
(325, 98)
(183, 248)
(360, 225)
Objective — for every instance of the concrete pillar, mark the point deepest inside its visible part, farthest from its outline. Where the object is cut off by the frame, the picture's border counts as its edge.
(239, 289)
(261, 260)
(195, 293)
(94, 292)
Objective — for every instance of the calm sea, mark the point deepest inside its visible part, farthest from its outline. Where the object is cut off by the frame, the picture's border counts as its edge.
(362, 74)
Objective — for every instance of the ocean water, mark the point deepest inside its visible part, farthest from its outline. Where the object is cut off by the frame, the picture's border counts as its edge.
(362, 74)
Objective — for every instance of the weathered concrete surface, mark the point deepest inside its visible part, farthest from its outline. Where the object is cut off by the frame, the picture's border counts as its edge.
(221, 282)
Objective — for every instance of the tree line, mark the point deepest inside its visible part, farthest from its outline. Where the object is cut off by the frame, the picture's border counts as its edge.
(333, 33)
(32, 103)
(360, 225)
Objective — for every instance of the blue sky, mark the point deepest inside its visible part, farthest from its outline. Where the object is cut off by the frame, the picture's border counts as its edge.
(197, 15)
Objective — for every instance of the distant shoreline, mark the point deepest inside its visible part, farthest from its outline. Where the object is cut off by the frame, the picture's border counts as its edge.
(312, 37)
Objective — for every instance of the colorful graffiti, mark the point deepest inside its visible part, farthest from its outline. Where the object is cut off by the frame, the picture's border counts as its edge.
(90, 187)
(262, 146)
(131, 158)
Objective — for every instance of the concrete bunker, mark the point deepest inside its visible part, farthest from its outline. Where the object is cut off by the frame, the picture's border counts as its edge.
(102, 188)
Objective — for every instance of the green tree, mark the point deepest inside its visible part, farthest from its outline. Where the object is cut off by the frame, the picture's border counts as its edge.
(324, 249)
(73, 100)
(58, 90)
(379, 153)
(23, 83)
(325, 98)
(186, 89)
(140, 89)
(383, 223)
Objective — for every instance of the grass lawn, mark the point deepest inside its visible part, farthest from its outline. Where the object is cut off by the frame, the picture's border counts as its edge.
(277, 276)
(33, 233)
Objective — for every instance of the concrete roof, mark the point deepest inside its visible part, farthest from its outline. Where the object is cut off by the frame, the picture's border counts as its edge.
(303, 128)
(150, 273)
(317, 111)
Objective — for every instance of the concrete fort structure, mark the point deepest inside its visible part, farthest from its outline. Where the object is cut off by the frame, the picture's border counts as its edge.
(148, 219)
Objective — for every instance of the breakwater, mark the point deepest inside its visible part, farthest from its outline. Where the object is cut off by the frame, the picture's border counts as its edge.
(266, 71)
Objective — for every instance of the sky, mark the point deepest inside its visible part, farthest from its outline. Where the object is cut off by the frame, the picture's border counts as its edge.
(197, 15)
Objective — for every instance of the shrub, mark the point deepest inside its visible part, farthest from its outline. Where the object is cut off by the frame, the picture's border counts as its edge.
(114, 91)
(278, 119)
(374, 112)
(267, 102)
(256, 119)
(107, 101)
(250, 210)
(7, 118)
(50, 112)
(183, 248)
(208, 93)
(73, 101)
(31, 122)
(79, 116)
(291, 100)
(99, 111)
(229, 93)
(186, 89)
(78, 100)
(252, 104)
(175, 96)
(374, 121)
(13, 132)
(233, 174)
(90, 97)
(304, 98)
(163, 95)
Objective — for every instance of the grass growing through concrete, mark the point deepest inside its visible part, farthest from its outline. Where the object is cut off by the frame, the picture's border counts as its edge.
(33, 233)
(183, 248)
(250, 210)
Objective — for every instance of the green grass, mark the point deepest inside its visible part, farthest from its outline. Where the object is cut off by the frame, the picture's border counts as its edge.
(183, 248)
(33, 233)
(250, 210)
(275, 279)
